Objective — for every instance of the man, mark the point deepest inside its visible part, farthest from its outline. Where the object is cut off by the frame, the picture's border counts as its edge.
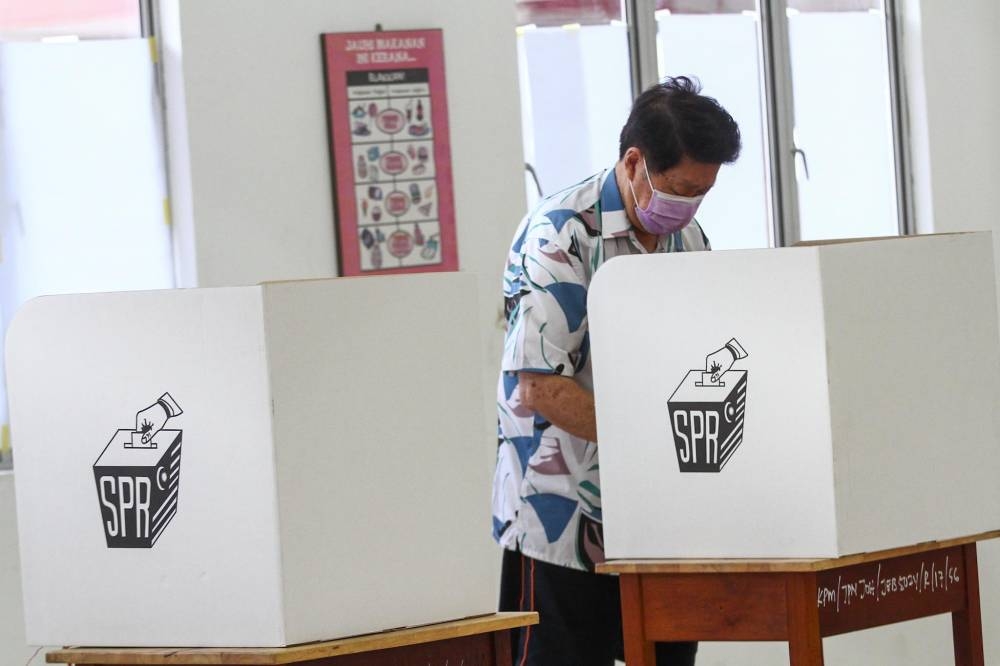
(546, 492)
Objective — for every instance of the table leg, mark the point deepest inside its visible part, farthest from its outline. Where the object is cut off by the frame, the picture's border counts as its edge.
(638, 650)
(501, 648)
(805, 645)
(967, 624)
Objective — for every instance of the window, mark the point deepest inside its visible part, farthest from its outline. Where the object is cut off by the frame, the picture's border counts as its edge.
(843, 120)
(812, 84)
(100, 152)
(30, 20)
(575, 88)
(719, 47)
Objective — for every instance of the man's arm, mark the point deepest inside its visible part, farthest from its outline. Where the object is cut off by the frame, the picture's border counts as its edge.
(561, 400)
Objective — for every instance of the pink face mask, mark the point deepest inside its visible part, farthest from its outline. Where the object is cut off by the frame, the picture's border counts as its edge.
(665, 213)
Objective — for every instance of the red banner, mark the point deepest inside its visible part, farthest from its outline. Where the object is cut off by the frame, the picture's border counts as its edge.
(391, 155)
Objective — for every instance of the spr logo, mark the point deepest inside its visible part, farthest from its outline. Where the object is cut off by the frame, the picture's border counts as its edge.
(707, 411)
(138, 477)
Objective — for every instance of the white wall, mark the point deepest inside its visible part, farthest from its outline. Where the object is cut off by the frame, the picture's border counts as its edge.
(248, 142)
(256, 132)
(960, 59)
(13, 649)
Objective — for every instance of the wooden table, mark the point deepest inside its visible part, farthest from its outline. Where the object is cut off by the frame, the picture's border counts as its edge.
(478, 641)
(800, 601)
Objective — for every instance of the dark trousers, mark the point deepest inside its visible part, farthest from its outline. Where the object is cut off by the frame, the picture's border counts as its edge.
(580, 621)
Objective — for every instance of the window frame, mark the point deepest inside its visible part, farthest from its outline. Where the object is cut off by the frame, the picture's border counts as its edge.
(775, 65)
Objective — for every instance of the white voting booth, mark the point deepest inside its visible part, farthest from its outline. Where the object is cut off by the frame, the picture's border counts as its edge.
(804, 402)
(253, 466)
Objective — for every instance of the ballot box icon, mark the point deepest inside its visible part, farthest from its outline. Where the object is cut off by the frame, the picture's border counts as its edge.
(137, 488)
(138, 478)
(707, 412)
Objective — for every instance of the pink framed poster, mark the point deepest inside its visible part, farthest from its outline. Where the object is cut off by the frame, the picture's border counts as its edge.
(387, 111)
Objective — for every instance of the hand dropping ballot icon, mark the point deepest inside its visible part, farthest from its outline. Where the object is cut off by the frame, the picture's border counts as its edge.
(707, 411)
(138, 477)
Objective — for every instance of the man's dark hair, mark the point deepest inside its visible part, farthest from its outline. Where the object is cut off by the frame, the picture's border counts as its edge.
(672, 119)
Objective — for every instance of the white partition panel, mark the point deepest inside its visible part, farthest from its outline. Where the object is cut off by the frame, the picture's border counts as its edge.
(801, 402)
(317, 466)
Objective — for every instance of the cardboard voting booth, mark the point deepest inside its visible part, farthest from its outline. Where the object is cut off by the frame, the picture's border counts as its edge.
(254, 466)
(803, 402)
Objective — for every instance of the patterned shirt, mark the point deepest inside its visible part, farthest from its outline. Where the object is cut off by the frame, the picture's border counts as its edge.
(546, 489)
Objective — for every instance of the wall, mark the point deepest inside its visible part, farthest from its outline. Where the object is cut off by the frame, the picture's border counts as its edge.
(960, 58)
(256, 134)
(248, 142)
(12, 645)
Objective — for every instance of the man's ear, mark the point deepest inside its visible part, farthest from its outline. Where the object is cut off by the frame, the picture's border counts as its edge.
(631, 160)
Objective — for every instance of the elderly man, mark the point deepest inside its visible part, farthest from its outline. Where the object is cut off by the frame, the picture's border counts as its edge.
(546, 492)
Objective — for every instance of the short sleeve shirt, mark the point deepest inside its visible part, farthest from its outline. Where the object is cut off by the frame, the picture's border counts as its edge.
(547, 489)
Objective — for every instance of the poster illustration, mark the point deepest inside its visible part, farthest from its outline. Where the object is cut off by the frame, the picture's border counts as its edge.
(390, 152)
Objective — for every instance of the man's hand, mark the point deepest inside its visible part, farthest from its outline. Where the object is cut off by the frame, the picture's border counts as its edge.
(561, 400)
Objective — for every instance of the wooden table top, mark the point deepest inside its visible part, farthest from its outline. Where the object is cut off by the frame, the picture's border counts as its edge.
(779, 565)
(296, 653)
